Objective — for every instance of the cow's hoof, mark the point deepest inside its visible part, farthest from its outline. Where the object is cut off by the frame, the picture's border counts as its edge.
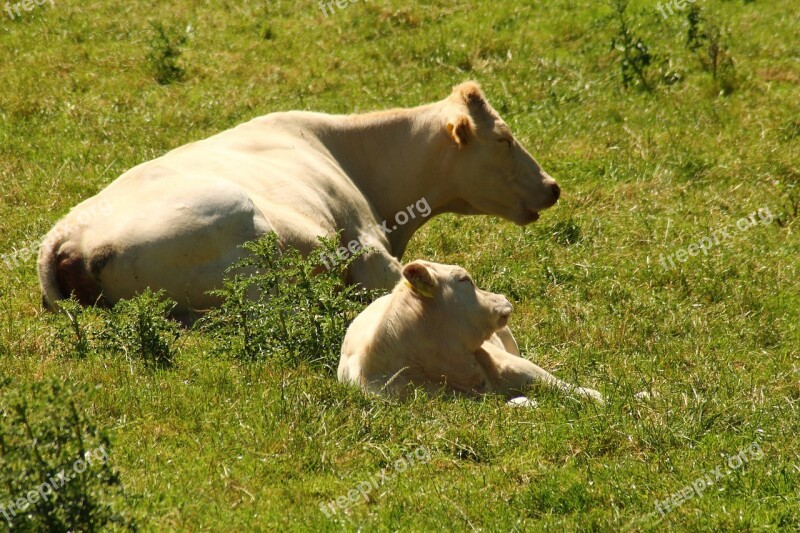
(522, 401)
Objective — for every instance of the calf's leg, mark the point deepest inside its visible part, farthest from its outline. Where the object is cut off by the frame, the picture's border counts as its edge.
(510, 375)
(507, 341)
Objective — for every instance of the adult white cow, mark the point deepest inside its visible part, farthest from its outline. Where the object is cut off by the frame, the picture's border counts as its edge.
(434, 331)
(177, 222)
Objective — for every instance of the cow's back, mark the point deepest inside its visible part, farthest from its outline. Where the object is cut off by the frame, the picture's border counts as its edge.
(177, 222)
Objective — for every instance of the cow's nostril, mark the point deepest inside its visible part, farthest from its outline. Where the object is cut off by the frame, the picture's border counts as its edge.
(556, 191)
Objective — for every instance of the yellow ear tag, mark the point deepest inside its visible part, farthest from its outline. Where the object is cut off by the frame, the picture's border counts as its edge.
(422, 292)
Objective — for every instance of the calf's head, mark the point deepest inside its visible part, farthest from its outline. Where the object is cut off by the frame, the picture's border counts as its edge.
(493, 174)
(452, 305)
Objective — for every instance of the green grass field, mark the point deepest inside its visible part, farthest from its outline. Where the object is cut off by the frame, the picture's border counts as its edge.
(706, 132)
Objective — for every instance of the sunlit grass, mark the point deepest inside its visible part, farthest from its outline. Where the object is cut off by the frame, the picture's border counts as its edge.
(217, 444)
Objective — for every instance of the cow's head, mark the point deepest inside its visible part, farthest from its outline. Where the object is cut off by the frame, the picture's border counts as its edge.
(453, 304)
(492, 173)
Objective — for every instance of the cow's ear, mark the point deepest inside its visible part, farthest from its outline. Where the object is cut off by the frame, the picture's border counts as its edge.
(460, 130)
(470, 93)
(418, 278)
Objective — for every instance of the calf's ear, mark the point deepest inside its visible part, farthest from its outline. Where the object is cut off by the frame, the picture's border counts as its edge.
(418, 278)
(460, 130)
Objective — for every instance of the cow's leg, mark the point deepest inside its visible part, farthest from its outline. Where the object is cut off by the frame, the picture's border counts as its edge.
(510, 375)
(507, 341)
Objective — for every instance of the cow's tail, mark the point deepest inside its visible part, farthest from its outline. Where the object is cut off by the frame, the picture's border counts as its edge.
(48, 272)
(66, 272)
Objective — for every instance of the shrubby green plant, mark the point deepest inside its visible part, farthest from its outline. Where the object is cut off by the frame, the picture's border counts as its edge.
(165, 53)
(43, 432)
(139, 328)
(707, 39)
(635, 56)
(265, 28)
(694, 34)
(74, 332)
(718, 61)
(280, 306)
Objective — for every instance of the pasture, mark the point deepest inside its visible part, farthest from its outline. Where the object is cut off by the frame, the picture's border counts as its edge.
(669, 265)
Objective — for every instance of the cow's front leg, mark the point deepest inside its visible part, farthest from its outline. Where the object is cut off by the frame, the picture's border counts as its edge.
(507, 341)
(510, 375)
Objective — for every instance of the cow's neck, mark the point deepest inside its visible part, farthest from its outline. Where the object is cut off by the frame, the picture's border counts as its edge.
(396, 158)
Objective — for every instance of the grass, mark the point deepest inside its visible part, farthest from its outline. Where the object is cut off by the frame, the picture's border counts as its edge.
(216, 443)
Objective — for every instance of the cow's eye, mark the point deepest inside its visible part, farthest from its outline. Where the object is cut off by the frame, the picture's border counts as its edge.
(508, 142)
(465, 279)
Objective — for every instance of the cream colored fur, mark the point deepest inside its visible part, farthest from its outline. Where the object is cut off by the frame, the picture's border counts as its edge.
(433, 332)
(177, 222)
